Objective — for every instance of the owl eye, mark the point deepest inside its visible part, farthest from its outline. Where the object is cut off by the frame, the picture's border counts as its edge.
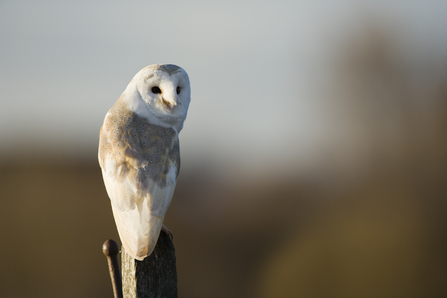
(178, 90)
(156, 90)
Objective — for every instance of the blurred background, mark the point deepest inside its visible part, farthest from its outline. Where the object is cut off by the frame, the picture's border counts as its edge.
(314, 155)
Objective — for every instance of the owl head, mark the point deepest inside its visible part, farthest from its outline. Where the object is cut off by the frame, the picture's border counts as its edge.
(161, 93)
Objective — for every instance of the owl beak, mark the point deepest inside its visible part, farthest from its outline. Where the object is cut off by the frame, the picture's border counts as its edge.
(170, 104)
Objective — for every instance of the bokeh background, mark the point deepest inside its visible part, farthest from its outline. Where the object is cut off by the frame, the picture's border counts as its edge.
(314, 155)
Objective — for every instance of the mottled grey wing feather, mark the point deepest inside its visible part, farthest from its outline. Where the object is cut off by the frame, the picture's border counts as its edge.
(140, 163)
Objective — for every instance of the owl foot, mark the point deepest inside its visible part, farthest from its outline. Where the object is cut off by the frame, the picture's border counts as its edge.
(167, 231)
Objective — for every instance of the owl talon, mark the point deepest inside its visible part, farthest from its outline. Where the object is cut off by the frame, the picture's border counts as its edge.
(167, 231)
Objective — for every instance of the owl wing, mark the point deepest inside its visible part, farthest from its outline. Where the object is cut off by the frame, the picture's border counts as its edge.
(140, 164)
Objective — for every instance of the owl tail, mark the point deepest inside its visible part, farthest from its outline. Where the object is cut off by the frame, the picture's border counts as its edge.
(138, 234)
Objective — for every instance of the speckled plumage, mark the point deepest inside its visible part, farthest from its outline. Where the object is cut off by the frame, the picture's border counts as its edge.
(136, 144)
(139, 153)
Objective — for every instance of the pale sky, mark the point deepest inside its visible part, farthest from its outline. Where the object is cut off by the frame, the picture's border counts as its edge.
(256, 69)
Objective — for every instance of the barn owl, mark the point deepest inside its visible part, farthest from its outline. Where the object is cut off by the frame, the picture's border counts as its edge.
(139, 153)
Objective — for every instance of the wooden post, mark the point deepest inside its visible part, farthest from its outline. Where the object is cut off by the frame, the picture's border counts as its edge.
(155, 276)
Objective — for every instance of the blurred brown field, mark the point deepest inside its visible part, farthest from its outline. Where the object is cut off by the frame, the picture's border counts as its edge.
(372, 224)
